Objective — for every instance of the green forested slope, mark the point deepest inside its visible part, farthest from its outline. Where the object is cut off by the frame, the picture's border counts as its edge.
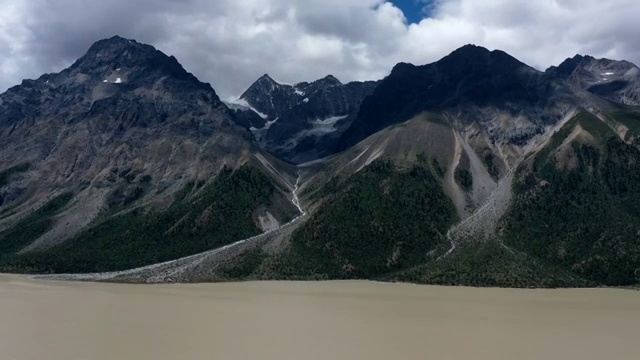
(31, 227)
(200, 219)
(490, 264)
(380, 220)
(585, 219)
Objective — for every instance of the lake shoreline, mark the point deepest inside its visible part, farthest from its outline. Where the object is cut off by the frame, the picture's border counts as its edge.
(38, 277)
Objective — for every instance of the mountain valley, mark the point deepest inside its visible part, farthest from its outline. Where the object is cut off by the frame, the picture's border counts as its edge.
(474, 170)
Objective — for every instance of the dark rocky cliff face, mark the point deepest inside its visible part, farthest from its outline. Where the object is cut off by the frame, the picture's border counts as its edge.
(113, 71)
(300, 122)
(469, 81)
(123, 122)
(119, 92)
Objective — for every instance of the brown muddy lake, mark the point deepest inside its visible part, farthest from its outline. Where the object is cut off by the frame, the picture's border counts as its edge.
(312, 320)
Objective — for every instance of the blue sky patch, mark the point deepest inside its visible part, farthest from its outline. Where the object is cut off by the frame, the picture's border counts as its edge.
(414, 10)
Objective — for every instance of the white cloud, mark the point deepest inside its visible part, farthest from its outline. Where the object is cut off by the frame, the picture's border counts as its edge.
(13, 37)
(232, 42)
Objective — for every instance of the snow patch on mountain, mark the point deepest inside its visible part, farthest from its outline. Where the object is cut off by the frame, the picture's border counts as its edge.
(269, 123)
(262, 132)
(243, 105)
(325, 126)
(116, 81)
(280, 82)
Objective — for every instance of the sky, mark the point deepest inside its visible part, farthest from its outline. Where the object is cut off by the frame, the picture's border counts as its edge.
(230, 43)
(414, 10)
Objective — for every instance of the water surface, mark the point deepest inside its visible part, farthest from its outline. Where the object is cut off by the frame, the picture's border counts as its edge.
(312, 320)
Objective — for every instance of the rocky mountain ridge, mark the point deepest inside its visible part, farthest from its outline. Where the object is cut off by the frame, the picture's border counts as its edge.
(472, 80)
(124, 126)
(617, 81)
(299, 122)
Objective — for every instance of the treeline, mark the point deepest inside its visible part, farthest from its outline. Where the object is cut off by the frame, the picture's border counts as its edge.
(482, 264)
(586, 220)
(200, 219)
(380, 220)
(31, 227)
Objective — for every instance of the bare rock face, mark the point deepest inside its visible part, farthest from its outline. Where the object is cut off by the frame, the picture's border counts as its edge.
(300, 122)
(472, 85)
(617, 81)
(124, 121)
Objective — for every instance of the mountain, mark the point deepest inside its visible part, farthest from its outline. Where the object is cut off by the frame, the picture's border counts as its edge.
(474, 170)
(300, 122)
(472, 81)
(584, 186)
(617, 81)
(125, 137)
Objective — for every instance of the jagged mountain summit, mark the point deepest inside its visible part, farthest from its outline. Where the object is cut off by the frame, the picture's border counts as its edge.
(124, 134)
(479, 84)
(122, 97)
(617, 81)
(299, 122)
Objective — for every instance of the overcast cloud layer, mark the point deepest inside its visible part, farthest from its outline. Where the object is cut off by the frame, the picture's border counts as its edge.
(230, 43)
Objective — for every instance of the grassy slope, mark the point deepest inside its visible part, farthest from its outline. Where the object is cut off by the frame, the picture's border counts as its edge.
(219, 214)
(585, 220)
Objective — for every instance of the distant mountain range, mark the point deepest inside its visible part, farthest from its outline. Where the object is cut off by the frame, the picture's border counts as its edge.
(474, 170)
(300, 122)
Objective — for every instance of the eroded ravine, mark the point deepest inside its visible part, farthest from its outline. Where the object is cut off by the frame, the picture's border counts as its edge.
(481, 224)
